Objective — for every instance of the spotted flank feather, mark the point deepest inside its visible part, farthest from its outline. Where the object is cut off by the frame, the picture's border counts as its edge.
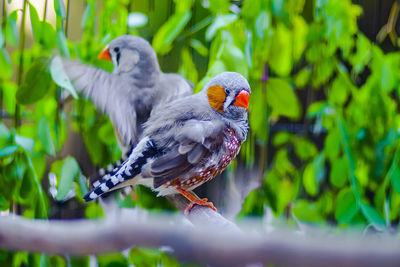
(130, 168)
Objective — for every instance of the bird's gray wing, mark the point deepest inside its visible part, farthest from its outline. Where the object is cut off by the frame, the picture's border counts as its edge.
(191, 147)
(170, 87)
(112, 93)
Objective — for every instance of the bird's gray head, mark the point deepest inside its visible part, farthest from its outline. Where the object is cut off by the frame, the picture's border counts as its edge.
(131, 54)
(229, 94)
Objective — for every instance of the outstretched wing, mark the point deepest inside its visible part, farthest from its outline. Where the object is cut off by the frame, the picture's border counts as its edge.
(192, 146)
(112, 93)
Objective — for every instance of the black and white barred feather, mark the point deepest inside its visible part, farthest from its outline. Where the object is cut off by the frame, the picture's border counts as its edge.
(110, 167)
(130, 168)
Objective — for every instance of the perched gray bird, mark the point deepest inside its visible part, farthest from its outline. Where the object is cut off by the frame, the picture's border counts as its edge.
(187, 142)
(133, 90)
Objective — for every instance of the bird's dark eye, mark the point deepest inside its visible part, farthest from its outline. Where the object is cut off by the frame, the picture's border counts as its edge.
(116, 50)
(227, 91)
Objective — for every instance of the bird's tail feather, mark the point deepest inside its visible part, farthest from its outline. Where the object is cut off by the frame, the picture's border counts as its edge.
(111, 167)
(129, 169)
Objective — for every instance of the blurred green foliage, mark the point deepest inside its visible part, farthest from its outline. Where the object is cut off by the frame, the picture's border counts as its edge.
(345, 172)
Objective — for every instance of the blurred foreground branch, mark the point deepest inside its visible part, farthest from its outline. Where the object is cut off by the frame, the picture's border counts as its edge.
(199, 244)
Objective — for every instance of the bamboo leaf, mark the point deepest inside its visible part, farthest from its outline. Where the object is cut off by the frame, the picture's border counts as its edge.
(219, 22)
(199, 47)
(169, 31)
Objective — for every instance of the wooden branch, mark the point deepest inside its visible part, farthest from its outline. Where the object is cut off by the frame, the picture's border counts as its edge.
(199, 244)
(201, 215)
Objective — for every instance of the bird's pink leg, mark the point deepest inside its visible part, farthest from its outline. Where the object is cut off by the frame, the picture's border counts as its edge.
(194, 200)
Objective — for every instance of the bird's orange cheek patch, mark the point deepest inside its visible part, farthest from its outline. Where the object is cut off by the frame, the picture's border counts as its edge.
(216, 97)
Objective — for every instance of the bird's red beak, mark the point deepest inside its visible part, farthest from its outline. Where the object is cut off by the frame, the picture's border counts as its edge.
(105, 54)
(242, 99)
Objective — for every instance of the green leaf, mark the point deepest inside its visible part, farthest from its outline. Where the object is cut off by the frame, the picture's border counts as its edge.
(199, 47)
(82, 185)
(136, 20)
(181, 6)
(5, 134)
(151, 257)
(387, 76)
(395, 177)
(302, 77)
(281, 52)
(219, 22)
(339, 91)
(88, 16)
(234, 58)
(62, 43)
(188, 68)
(92, 142)
(70, 170)
(60, 8)
(281, 138)
(48, 35)
(20, 259)
(362, 55)
(24, 142)
(11, 29)
(35, 23)
(282, 98)
(304, 148)
(4, 204)
(169, 31)
(373, 216)
(43, 260)
(300, 30)
(36, 83)
(317, 108)
(306, 211)
(8, 150)
(106, 134)
(262, 23)
(309, 180)
(346, 206)
(45, 137)
(27, 187)
(60, 77)
(94, 211)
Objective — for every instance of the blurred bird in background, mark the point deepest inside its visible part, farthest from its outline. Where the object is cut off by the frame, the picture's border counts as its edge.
(132, 91)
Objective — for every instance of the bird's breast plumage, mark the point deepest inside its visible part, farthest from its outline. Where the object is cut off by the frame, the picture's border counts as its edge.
(211, 167)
